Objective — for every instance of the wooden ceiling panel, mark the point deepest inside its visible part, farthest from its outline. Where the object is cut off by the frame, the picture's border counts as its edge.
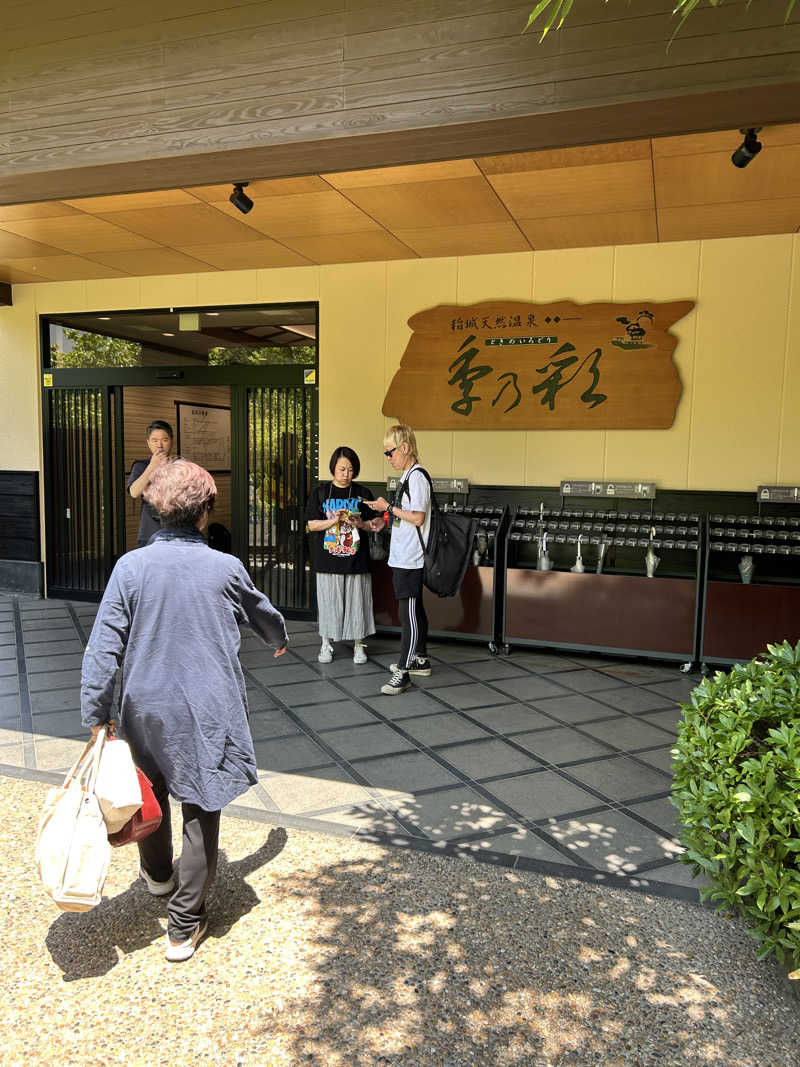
(586, 231)
(16, 277)
(588, 190)
(78, 233)
(152, 261)
(305, 215)
(351, 247)
(711, 178)
(62, 268)
(101, 205)
(678, 188)
(724, 141)
(50, 210)
(517, 162)
(178, 226)
(14, 247)
(220, 194)
(417, 205)
(465, 240)
(421, 172)
(747, 219)
(246, 256)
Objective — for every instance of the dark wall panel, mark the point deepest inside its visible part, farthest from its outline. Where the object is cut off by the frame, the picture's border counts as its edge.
(19, 506)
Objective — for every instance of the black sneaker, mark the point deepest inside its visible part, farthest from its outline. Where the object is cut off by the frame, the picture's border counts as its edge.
(398, 683)
(420, 666)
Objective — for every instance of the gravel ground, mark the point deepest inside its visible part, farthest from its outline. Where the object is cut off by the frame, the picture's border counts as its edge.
(329, 951)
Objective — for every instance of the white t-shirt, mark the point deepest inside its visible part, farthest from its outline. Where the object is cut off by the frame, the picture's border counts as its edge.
(405, 550)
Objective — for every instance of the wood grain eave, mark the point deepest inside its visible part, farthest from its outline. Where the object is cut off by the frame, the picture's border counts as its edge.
(631, 120)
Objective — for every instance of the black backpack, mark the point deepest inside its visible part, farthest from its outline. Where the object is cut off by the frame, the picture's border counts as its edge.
(219, 537)
(449, 546)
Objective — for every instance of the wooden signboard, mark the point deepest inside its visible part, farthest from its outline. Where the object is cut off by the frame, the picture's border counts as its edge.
(510, 365)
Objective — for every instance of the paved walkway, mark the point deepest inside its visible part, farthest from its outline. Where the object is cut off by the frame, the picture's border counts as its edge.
(541, 761)
(343, 953)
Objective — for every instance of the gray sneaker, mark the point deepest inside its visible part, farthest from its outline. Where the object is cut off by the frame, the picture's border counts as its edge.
(398, 683)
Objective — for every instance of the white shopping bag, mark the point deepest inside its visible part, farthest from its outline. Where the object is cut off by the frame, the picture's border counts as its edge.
(72, 849)
(118, 788)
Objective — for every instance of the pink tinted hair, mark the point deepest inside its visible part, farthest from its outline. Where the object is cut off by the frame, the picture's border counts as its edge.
(181, 492)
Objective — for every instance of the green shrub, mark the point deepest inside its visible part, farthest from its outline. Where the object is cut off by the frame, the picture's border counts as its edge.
(737, 784)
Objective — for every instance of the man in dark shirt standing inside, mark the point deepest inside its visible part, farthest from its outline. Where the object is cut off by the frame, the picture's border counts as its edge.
(159, 441)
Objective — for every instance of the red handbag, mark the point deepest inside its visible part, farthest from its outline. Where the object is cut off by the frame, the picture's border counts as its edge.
(143, 822)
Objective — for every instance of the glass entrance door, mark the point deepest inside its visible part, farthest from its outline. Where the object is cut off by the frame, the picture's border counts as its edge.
(281, 468)
(78, 473)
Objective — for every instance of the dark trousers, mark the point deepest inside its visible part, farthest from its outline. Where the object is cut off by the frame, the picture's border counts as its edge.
(414, 630)
(413, 620)
(198, 863)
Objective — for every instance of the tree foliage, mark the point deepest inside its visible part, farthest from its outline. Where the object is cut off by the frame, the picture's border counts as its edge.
(95, 350)
(554, 13)
(275, 355)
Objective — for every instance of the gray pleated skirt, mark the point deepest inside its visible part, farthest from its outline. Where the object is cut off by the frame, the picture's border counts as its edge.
(344, 602)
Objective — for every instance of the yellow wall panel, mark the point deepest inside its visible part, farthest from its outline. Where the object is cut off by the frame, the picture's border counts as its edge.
(741, 347)
(673, 274)
(227, 287)
(352, 348)
(292, 284)
(492, 456)
(113, 294)
(789, 438)
(739, 355)
(169, 290)
(501, 277)
(412, 286)
(553, 455)
(583, 275)
(20, 440)
(60, 297)
(579, 274)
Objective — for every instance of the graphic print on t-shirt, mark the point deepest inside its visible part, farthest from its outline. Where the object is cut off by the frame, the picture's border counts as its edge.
(343, 538)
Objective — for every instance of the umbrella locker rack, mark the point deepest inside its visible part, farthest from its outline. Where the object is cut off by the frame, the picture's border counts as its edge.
(576, 576)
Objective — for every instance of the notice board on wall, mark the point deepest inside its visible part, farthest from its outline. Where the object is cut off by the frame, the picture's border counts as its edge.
(513, 365)
(204, 435)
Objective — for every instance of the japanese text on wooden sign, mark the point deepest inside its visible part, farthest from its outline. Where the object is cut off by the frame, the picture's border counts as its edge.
(506, 365)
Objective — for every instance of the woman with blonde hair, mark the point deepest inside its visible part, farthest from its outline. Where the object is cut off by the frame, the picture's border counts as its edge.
(170, 618)
(409, 515)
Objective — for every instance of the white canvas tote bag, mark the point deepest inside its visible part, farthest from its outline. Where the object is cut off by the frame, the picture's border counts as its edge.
(117, 788)
(72, 849)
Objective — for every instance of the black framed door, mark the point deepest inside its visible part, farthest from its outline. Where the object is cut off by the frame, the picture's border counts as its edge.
(274, 450)
(281, 461)
(79, 484)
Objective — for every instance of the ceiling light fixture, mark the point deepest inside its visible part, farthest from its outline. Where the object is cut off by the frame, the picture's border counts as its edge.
(167, 334)
(239, 197)
(748, 149)
(104, 318)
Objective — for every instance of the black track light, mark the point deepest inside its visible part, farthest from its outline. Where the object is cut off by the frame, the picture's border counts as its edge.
(748, 149)
(242, 201)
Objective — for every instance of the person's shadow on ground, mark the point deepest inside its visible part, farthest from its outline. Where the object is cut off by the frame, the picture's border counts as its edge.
(87, 944)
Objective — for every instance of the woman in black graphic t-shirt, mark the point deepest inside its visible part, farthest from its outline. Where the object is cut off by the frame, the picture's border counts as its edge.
(339, 522)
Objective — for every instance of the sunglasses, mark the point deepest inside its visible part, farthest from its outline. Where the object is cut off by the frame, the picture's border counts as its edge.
(390, 451)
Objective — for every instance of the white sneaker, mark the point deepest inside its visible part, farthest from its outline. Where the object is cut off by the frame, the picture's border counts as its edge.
(184, 950)
(325, 653)
(360, 652)
(154, 888)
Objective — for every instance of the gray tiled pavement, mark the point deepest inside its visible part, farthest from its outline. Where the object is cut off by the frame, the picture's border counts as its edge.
(554, 762)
